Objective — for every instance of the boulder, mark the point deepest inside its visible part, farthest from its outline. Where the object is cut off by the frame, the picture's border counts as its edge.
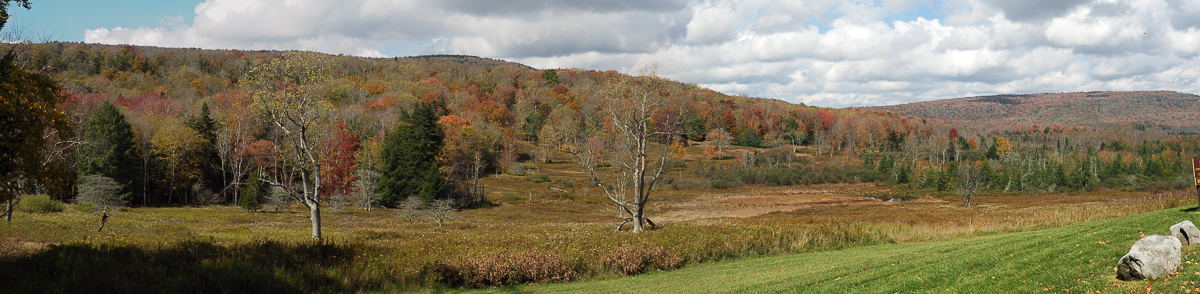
(1152, 257)
(1186, 232)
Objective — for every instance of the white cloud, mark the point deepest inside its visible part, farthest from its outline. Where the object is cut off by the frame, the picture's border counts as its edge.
(823, 52)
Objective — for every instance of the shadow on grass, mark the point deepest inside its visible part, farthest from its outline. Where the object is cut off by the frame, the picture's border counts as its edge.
(1193, 209)
(184, 267)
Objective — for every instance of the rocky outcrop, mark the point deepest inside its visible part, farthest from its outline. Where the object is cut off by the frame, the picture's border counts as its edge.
(1186, 232)
(1152, 257)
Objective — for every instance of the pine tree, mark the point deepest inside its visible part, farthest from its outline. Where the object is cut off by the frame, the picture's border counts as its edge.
(207, 127)
(252, 193)
(112, 152)
(410, 158)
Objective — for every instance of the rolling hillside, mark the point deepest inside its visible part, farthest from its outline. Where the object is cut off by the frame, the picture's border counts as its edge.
(1163, 107)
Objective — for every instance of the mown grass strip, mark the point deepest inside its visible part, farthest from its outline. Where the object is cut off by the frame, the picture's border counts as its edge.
(1078, 258)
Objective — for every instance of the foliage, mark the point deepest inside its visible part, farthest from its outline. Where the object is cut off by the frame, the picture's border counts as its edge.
(781, 175)
(27, 113)
(253, 192)
(1164, 107)
(209, 158)
(410, 158)
(4, 9)
(289, 94)
(183, 150)
(40, 203)
(501, 269)
(112, 151)
(634, 260)
(338, 160)
(716, 142)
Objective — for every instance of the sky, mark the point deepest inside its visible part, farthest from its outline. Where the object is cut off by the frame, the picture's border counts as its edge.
(818, 52)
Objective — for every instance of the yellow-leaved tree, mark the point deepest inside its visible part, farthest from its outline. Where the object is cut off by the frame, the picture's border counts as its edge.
(289, 94)
(28, 119)
(178, 146)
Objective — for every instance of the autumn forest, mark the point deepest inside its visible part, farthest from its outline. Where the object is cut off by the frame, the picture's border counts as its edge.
(450, 138)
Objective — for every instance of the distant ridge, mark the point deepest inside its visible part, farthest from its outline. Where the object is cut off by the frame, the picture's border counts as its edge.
(1080, 108)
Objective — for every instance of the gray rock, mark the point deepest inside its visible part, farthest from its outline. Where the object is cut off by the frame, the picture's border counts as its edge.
(1152, 257)
(1186, 232)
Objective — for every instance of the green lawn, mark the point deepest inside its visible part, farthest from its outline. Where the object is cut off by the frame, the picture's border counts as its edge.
(1080, 258)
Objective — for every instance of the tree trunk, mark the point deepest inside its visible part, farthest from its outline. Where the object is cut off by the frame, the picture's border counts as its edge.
(314, 210)
(8, 210)
(103, 220)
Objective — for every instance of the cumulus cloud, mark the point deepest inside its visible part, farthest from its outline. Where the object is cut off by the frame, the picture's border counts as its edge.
(821, 52)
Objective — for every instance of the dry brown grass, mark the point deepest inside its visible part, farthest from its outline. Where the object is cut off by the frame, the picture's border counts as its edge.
(572, 237)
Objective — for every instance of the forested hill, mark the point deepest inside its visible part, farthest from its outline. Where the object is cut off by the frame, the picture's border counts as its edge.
(1163, 107)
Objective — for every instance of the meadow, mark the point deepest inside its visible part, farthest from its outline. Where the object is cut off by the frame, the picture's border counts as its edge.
(1072, 259)
(530, 234)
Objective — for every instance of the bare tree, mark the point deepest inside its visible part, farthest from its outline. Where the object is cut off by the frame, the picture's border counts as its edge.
(441, 210)
(631, 103)
(364, 188)
(411, 208)
(101, 191)
(970, 181)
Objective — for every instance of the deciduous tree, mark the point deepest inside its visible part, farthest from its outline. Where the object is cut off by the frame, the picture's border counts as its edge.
(28, 118)
(631, 103)
(716, 142)
(338, 160)
(181, 148)
(289, 92)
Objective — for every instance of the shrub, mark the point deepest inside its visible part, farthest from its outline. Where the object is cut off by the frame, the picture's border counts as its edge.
(635, 260)
(39, 203)
(511, 198)
(538, 178)
(504, 269)
(253, 193)
(565, 182)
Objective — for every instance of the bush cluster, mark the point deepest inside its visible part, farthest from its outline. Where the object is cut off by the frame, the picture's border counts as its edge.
(530, 267)
(635, 260)
(39, 203)
(781, 175)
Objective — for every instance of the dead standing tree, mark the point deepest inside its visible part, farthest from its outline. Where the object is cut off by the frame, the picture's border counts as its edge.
(102, 192)
(630, 103)
(289, 94)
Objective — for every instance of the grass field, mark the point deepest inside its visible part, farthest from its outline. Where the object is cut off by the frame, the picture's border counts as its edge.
(1075, 259)
(535, 235)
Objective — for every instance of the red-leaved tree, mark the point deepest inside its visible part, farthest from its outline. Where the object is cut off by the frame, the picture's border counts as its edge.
(337, 160)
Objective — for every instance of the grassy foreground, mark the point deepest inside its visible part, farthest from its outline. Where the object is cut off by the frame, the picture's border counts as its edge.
(1079, 258)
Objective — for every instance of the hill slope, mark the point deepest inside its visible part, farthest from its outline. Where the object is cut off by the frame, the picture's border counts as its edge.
(1075, 259)
(1163, 107)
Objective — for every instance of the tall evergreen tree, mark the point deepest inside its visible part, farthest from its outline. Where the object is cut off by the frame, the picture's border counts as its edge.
(211, 169)
(410, 158)
(112, 151)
